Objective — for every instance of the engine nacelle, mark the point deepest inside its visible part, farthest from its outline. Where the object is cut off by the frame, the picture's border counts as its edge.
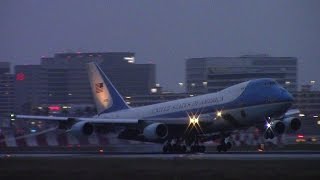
(82, 128)
(278, 127)
(155, 131)
(292, 123)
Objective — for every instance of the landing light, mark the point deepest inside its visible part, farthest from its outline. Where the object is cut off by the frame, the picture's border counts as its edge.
(219, 113)
(194, 120)
(301, 115)
(194, 123)
(268, 125)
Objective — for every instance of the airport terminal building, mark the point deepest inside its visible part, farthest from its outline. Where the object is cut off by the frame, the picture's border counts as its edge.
(211, 74)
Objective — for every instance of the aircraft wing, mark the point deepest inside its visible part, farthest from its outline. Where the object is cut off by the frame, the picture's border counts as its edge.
(92, 119)
(30, 117)
(121, 121)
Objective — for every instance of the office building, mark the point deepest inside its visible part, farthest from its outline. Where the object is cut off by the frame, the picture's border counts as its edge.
(6, 89)
(308, 101)
(211, 74)
(63, 80)
(28, 88)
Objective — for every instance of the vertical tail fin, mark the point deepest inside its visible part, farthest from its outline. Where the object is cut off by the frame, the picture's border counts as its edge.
(105, 95)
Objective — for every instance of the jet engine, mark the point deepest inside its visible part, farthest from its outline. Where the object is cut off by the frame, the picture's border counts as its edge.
(292, 123)
(278, 127)
(82, 128)
(155, 131)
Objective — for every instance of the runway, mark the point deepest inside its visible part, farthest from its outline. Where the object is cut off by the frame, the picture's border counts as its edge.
(104, 165)
(282, 155)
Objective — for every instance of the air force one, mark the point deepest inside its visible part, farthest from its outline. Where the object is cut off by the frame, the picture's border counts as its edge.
(183, 125)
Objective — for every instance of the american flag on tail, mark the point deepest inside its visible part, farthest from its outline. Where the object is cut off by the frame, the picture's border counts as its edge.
(99, 87)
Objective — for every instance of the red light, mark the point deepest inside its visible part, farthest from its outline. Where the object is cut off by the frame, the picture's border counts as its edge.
(20, 76)
(300, 136)
(54, 108)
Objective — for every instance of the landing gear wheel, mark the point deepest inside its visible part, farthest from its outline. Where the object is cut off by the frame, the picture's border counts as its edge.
(225, 144)
(268, 134)
(219, 148)
(197, 148)
(183, 149)
(202, 149)
(224, 148)
(228, 145)
(174, 148)
(167, 148)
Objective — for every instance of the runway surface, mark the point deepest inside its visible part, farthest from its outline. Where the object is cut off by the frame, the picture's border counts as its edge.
(284, 155)
(106, 165)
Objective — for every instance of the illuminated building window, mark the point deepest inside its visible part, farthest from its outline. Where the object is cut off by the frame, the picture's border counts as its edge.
(129, 59)
(154, 90)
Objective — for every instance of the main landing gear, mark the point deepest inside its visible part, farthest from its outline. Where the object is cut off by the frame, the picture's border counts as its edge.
(174, 148)
(178, 147)
(196, 148)
(269, 134)
(224, 145)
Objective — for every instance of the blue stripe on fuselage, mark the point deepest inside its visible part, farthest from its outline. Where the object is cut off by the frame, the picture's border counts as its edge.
(257, 92)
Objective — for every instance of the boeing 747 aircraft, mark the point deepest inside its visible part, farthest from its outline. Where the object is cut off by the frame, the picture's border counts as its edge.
(183, 125)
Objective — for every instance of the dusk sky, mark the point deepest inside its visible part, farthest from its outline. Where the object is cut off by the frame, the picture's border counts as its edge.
(165, 32)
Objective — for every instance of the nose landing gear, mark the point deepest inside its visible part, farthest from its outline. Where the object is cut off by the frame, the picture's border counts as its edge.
(225, 145)
(269, 134)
